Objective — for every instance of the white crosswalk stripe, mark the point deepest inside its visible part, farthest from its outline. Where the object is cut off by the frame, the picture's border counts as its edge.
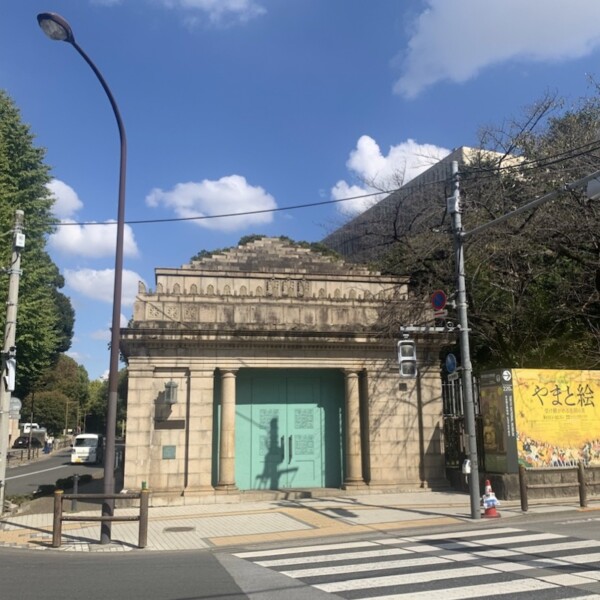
(490, 563)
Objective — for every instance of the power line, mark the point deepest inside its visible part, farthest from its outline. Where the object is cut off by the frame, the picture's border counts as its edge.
(532, 165)
(238, 214)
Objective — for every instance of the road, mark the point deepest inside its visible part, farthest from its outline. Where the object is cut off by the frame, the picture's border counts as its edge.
(537, 560)
(547, 557)
(35, 575)
(26, 478)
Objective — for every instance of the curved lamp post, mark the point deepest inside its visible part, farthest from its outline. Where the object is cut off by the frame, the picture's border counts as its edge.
(57, 28)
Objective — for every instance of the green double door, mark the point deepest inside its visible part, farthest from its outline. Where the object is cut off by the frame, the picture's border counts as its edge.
(288, 429)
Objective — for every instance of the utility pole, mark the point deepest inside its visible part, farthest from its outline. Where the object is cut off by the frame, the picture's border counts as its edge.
(8, 372)
(454, 208)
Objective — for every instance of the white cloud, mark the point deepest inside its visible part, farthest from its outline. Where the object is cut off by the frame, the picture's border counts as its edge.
(453, 40)
(374, 171)
(99, 285)
(76, 356)
(66, 200)
(219, 11)
(90, 240)
(228, 195)
(102, 335)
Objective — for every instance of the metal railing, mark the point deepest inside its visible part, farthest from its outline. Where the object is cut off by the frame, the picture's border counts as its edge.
(143, 496)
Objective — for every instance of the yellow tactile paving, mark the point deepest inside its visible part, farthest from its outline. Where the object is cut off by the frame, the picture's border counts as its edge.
(323, 526)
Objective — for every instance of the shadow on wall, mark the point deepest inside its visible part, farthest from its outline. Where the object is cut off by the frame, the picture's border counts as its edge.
(270, 477)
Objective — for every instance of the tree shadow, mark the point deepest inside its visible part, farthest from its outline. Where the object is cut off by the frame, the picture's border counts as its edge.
(273, 458)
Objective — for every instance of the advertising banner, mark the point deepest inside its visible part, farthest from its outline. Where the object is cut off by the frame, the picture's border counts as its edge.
(497, 411)
(557, 415)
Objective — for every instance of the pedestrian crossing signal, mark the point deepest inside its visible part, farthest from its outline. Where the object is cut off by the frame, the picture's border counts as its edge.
(407, 359)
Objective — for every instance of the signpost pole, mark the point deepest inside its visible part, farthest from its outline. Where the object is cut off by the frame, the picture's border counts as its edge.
(7, 374)
(465, 352)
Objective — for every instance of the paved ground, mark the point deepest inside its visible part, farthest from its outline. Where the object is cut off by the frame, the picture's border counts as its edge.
(242, 523)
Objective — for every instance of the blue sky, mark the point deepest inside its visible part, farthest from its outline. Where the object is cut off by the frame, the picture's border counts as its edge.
(241, 105)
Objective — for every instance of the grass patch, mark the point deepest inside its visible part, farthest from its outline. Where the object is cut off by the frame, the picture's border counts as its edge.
(20, 499)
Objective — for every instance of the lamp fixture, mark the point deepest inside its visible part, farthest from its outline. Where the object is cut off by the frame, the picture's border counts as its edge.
(170, 392)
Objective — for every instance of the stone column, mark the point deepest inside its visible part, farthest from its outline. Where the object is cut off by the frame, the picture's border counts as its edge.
(227, 437)
(354, 475)
(140, 465)
(199, 433)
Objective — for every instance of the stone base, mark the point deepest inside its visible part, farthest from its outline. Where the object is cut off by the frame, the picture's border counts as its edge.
(358, 484)
(226, 488)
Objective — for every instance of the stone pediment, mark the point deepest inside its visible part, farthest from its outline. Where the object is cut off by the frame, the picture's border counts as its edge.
(276, 255)
(269, 283)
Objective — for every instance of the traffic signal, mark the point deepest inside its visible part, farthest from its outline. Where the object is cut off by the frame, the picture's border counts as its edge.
(407, 358)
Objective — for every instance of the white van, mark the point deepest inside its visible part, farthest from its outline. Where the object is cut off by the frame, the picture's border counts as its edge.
(27, 427)
(87, 448)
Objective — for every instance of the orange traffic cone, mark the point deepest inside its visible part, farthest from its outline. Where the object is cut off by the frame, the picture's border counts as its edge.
(489, 502)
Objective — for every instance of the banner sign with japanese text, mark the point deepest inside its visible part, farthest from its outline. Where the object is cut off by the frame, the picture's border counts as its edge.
(557, 417)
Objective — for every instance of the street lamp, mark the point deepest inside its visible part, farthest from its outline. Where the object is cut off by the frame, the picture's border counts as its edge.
(57, 28)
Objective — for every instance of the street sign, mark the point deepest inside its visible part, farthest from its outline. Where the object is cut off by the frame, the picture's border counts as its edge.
(450, 363)
(453, 376)
(15, 408)
(438, 300)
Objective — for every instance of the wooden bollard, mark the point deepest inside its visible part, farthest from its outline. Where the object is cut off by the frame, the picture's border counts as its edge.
(582, 485)
(57, 526)
(523, 488)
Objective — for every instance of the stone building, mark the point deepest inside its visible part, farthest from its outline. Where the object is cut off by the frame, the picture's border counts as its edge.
(270, 367)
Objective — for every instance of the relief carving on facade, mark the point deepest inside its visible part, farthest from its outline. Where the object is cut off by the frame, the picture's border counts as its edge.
(172, 311)
(153, 312)
(190, 313)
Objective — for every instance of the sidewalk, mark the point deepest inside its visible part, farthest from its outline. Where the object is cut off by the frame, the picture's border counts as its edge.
(174, 528)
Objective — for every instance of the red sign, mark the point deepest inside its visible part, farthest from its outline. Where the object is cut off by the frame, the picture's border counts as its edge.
(438, 300)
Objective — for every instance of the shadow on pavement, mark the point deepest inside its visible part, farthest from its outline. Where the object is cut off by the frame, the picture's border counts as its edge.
(45, 503)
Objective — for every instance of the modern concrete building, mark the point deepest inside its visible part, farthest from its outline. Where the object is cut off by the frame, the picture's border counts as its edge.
(419, 205)
(272, 367)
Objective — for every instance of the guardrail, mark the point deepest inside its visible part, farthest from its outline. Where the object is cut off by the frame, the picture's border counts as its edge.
(143, 496)
(524, 484)
(22, 454)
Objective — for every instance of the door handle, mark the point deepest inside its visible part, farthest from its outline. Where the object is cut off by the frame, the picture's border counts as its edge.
(282, 447)
(290, 449)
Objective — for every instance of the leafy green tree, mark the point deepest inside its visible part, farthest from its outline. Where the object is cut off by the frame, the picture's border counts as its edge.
(51, 409)
(45, 321)
(66, 320)
(98, 402)
(95, 409)
(60, 396)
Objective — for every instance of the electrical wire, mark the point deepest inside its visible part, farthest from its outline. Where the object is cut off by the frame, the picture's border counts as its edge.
(533, 165)
(238, 214)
